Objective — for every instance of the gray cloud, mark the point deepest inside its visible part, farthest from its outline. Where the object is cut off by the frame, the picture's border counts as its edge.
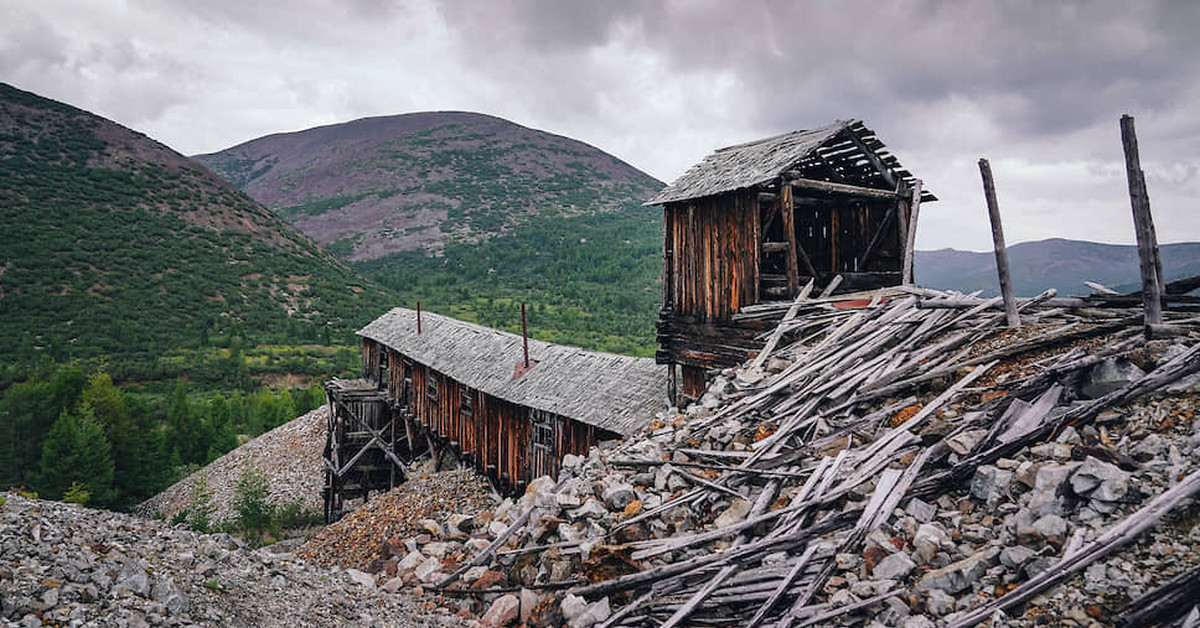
(1037, 87)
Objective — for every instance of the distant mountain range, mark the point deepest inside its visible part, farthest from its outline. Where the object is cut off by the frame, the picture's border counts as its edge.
(1056, 263)
(115, 245)
(377, 186)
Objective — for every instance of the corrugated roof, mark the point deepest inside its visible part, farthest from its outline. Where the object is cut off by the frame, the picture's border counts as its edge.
(612, 392)
(827, 148)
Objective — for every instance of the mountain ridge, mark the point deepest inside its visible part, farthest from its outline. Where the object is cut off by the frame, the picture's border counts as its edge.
(119, 245)
(381, 185)
(1059, 263)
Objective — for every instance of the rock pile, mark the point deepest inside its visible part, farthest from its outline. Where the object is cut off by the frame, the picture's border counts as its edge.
(435, 511)
(905, 464)
(290, 456)
(62, 565)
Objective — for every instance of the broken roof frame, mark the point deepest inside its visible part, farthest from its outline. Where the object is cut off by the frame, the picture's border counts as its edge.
(847, 147)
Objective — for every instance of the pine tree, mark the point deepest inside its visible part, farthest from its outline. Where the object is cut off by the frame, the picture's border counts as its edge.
(75, 450)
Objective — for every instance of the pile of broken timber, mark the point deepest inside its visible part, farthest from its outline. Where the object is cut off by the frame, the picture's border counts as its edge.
(840, 440)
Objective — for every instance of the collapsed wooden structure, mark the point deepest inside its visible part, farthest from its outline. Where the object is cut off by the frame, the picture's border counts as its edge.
(448, 386)
(899, 398)
(753, 223)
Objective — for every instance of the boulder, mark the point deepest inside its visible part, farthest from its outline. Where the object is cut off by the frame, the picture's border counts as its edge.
(1108, 376)
(503, 612)
(991, 484)
(894, 567)
(960, 576)
(617, 495)
(1100, 481)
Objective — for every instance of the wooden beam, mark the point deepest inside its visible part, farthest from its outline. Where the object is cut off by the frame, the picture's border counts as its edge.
(910, 237)
(801, 183)
(884, 171)
(788, 215)
(989, 192)
(1143, 223)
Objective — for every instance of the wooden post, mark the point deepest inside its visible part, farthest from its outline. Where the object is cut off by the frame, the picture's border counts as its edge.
(1143, 224)
(989, 191)
(910, 238)
(788, 215)
(525, 335)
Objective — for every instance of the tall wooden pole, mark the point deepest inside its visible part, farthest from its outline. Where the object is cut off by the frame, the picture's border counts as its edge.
(910, 239)
(989, 191)
(525, 335)
(1143, 224)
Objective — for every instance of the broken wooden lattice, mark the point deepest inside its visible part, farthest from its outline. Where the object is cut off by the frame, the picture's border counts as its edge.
(868, 403)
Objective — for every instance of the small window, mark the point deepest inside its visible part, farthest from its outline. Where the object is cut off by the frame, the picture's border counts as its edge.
(543, 430)
(466, 405)
(431, 388)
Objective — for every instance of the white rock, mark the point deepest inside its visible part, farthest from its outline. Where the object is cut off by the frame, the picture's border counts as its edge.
(735, 513)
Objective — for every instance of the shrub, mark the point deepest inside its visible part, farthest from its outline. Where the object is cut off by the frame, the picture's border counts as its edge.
(255, 513)
(77, 494)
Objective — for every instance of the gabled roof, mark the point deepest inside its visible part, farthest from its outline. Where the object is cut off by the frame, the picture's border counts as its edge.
(612, 392)
(834, 152)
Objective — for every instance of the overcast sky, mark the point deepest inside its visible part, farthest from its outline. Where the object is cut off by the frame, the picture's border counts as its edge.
(1036, 87)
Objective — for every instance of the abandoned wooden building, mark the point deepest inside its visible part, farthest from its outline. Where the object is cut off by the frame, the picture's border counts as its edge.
(466, 390)
(755, 222)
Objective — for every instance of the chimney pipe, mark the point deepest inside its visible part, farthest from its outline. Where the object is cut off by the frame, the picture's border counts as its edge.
(525, 335)
(418, 317)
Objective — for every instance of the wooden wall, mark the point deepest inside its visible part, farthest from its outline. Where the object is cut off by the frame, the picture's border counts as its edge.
(492, 435)
(712, 259)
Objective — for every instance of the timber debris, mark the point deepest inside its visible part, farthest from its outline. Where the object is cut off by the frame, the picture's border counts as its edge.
(899, 457)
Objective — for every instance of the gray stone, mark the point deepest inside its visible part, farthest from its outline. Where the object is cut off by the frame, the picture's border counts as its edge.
(134, 575)
(939, 603)
(921, 511)
(591, 509)
(1015, 556)
(580, 614)
(1053, 528)
(1051, 451)
(1047, 488)
(529, 600)
(963, 442)
(427, 567)
(735, 513)
(617, 495)
(411, 561)
(960, 576)
(362, 578)
(918, 621)
(1100, 481)
(894, 567)
(990, 484)
(1108, 376)
(502, 612)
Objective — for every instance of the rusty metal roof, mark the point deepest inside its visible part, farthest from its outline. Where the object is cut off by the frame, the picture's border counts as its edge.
(834, 152)
(612, 392)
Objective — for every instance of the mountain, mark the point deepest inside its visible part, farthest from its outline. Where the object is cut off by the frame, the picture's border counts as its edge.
(1056, 263)
(471, 215)
(383, 185)
(115, 245)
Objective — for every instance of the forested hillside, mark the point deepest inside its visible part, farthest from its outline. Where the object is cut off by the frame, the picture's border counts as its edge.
(152, 314)
(471, 215)
(115, 245)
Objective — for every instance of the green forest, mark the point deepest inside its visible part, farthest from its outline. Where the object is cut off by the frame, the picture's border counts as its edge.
(591, 281)
(71, 433)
